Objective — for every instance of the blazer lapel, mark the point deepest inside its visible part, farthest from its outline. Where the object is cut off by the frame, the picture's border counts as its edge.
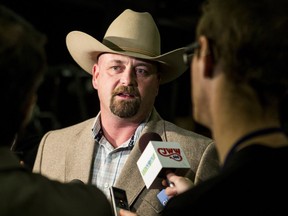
(79, 155)
(130, 178)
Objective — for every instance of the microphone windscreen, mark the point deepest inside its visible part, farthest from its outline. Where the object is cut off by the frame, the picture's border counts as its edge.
(146, 138)
(76, 181)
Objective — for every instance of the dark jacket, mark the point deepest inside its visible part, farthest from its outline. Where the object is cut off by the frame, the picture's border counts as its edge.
(30, 194)
(254, 181)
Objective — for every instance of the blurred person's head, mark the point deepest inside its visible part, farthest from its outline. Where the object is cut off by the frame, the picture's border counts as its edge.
(246, 41)
(22, 66)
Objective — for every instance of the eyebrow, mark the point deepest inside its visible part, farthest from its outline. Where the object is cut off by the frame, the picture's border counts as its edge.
(140, 62)
(116, 61)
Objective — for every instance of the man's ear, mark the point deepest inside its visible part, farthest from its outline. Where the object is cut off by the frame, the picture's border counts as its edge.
(95, 74)
(205, 53)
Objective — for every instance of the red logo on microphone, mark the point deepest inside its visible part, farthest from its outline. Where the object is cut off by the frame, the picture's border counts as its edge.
(172, 153)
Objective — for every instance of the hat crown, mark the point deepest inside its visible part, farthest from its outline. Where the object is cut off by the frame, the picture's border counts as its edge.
(134, 32)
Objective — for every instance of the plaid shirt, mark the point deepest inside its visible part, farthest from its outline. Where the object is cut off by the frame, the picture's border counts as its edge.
(109, 161)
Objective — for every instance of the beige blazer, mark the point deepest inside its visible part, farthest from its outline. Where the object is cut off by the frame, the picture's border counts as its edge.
(66, 154)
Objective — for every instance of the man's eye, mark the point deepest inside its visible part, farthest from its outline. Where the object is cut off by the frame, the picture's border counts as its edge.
(142, 72)
(116, 68)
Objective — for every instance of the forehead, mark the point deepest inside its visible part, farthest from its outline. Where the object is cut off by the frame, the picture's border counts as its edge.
(124, 58)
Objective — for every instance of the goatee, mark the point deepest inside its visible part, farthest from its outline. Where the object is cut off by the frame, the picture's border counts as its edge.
(125, 108)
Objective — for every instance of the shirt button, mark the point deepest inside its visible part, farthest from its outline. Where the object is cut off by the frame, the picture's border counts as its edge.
(106, 185)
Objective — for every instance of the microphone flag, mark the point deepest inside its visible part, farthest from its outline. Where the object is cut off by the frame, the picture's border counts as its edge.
(157, 158)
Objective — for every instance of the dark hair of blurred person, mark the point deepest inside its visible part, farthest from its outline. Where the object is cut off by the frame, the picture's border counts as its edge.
(22, 67)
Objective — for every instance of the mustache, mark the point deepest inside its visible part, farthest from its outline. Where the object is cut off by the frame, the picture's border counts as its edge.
(131, 90)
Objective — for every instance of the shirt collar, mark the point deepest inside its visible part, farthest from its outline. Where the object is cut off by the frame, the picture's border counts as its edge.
(97, 130)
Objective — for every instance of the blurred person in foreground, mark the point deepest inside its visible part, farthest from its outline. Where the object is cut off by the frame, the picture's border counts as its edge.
(239, 79)
(22, 67)
(126, 69)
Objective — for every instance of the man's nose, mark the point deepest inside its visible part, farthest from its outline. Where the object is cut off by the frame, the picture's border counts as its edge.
(128, 77)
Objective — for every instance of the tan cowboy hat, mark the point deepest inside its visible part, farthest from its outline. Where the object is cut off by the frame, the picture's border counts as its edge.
(133, 34)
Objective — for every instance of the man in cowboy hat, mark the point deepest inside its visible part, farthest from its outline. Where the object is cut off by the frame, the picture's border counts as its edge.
(127, 69)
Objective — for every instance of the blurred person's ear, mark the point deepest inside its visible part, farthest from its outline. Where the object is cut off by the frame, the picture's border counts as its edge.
(205, 53)
(28, 110)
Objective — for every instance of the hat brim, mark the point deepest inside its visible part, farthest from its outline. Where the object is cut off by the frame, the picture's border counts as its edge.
(85, 50)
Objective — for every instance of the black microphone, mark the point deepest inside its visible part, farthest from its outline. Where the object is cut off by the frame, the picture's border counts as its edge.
(76, 181)
(146, 138)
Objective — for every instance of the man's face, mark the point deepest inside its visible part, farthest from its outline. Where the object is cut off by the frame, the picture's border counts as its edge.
(198, 90)
(202, 84)
(126, 86)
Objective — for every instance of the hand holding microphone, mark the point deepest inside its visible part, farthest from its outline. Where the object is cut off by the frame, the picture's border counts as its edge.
(157, 159)
(180, 184)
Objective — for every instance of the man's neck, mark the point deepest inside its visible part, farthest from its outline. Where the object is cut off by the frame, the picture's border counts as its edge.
(118, 130)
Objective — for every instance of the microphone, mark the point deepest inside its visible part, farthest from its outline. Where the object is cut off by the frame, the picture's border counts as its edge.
(146, 138)
(157, 157)
(76, 181)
